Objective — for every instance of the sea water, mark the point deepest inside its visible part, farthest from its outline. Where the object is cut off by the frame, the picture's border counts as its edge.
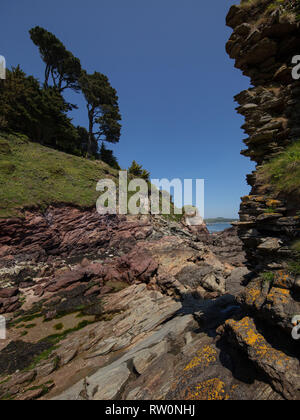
(218, 227)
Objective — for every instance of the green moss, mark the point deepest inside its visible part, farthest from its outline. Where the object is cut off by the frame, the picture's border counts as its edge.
(56, 338)
(268, 277)
(58, 327)
(45, 388)
(25, 318)
(45, 355)
(30, 326)
(270, 211)
(62, 314)
(294, 268)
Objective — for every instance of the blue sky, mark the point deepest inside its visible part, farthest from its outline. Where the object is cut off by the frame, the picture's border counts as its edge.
(167, 60)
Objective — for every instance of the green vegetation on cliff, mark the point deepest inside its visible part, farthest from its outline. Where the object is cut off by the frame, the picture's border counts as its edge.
(288, 10)
(283, 171)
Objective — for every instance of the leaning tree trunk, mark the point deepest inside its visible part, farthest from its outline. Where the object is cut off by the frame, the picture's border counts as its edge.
(90, 139)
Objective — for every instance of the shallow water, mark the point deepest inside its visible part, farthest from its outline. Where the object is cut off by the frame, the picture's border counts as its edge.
(218, 227)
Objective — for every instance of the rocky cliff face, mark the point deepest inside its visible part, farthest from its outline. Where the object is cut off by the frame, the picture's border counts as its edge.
(263, 46)
(264, 40)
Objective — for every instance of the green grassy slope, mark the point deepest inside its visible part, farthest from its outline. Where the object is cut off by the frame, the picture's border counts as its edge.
(35, 176)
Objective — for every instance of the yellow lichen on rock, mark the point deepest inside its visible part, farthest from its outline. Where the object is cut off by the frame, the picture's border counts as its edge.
(278, 296)
(282, 279)
(252, 294)
(273, 203)
(255, 343)
(204, 357)
(210, 390)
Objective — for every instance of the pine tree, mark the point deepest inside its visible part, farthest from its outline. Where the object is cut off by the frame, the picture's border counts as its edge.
(137, 171)
(61, 66)
(102, 107)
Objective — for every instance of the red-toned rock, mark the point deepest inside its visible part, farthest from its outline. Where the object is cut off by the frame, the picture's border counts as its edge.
(85, 263)
(8, 293)
(140, 264)
(9, 304)
(66, 280)
(112, 273)
(72, 287)
(106, 289)
(5, 250)
(95, 269)
(143, 233)
(122, 240)
(93, 291)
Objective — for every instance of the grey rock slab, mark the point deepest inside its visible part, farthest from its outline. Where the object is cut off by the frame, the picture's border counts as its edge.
(118, 369)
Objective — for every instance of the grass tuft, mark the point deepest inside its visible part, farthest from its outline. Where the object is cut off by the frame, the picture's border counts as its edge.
(268, 277)
(283, 171)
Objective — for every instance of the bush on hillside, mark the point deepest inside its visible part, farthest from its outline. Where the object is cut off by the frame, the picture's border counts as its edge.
(108, 157)
(137, 171)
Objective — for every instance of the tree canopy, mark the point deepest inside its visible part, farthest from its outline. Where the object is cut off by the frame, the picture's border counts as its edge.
(102, 106)
(39, 113)
(61, 66)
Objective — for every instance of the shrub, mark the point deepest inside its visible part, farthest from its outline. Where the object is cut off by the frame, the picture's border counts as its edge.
(137, 171)
(268, 277)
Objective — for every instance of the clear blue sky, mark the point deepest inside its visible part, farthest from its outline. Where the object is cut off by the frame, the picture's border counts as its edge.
(167, 60)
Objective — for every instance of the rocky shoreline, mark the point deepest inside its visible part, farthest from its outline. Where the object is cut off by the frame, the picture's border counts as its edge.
(139, 316)
(140, 308)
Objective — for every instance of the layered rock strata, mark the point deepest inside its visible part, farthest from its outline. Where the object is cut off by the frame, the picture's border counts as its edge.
(265, 38)
(133, 317)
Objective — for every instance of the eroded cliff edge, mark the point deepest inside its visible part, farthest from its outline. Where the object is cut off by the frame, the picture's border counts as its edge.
(265, 38)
